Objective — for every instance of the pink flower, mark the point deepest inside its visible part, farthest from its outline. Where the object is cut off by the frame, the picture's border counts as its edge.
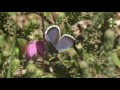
(31, 52)
(41, 48)
(34, 49)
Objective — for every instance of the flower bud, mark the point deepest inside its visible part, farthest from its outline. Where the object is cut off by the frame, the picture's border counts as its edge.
(41, 48)
(32, 52)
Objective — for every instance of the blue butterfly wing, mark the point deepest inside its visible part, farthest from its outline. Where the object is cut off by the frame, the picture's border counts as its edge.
(52, 34)
(65, 42)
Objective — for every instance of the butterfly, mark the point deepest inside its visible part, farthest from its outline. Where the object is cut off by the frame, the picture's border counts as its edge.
(56, 42)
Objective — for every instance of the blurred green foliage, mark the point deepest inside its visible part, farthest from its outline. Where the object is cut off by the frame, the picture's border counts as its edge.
(97, 37)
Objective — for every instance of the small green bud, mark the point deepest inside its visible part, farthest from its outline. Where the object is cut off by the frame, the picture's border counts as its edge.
(109, 40)
(38, 73)
(31, 67)
(83, 65)
(110, 34)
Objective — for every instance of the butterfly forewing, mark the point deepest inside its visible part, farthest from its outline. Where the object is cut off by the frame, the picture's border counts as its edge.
(65, 42)
(52, 34)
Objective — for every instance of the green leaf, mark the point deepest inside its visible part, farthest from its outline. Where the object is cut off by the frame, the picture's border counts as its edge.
(115, 59)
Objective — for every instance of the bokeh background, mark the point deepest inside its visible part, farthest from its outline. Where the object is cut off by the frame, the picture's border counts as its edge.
(96, 53)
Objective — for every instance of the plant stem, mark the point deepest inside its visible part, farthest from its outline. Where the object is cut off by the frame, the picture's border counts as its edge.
(78, 52)
(20, 53)
(54, 19)
(12, 54)
(45, 18)
(43, 31)
(0, 59)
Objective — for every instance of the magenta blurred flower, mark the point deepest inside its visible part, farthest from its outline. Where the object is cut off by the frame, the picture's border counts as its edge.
(34, 49)
(41, 48)
(31, 52)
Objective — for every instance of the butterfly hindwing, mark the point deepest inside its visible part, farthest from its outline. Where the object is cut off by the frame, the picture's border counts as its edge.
(65, 42)
(52, 34)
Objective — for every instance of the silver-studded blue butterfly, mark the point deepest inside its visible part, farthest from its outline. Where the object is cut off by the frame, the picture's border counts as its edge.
(57, 42)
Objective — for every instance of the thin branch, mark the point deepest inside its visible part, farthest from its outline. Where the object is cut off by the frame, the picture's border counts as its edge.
(45, 18)
(78, 52)
(43, 31)
(53, 16)
(43, 27)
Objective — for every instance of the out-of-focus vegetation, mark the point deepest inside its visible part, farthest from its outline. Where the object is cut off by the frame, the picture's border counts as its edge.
(97, 52)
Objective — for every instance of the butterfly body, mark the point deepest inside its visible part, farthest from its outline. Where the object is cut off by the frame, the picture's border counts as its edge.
(52, 49)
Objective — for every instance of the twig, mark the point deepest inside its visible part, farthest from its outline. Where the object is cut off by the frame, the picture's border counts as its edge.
(43, 31)
(1, 57)
(42, 15)
(53, 17)
(45, 18)
(78, 52)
